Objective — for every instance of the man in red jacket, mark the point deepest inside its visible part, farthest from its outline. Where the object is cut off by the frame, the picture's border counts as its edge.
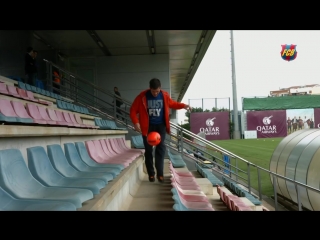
(152, 106)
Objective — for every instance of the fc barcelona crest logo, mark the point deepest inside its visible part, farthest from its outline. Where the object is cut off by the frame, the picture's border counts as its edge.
(289, 52)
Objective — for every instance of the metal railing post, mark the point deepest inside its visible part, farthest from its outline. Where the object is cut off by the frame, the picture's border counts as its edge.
(275, 193)
(249, 180)
(298, 196)
(181, 142)
(259, 184)
(236, 170)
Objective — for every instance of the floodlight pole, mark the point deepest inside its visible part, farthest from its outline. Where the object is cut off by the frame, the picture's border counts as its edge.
(236, 132)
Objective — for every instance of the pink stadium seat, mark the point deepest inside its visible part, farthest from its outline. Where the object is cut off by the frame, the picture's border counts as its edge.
(74, 121)
(179, 171)
(45, 116)
(6, 108)
(191, 195)
(3, 89)
(78, 120)
(118, 147)
(61, 118)
(123, 143)
(184, 179)
(241, 208)
(20, 109)
(185, 187)
(13, 91)
(234, 203)
(106, 150)
(195, 205)
(99, 157)
(235, 199)
(100, 151)
(68, 120)
(53, 116)
(31, 97)
(23, 94)
(106, 144)
(33, 111)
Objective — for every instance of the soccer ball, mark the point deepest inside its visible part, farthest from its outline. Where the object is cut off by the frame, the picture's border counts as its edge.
(153, 138)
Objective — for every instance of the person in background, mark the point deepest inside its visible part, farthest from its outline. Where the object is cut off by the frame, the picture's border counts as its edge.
(289, 122)
(56, 82)
(311, 123)
(29, 67)
(36, 65)
(305, 123)
(119, 102)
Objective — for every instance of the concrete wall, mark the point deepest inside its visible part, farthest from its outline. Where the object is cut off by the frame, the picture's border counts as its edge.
(13, 46)
(131, 74)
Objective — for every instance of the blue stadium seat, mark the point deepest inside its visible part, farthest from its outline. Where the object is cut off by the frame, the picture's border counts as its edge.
(137, 142)
(83, 153)
(176, 160)
(43, 92)
(47, 93)
(113, 125)
(16, 179)
(28, 87)
(61, 164)
(75, 161)
(22, 85)
(102, 125)
(42, 170)
(207, 173)
(9, 203)
(53, 95)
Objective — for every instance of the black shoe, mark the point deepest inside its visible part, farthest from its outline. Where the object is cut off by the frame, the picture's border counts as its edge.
(151, 179)
(160, 179)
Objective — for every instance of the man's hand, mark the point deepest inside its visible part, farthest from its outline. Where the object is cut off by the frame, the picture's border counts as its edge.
(188, 108)
(137, 127)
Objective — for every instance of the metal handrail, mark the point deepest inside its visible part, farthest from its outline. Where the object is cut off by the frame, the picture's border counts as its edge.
(181, 140)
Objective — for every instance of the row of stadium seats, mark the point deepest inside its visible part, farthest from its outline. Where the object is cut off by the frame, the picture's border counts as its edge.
(207, 173)
(105, 124)
(38, 90)
(98, 151)
(239, 191)
(57, 179)
(30, 113)
(12, 91)
(187, 194)
(74, 108)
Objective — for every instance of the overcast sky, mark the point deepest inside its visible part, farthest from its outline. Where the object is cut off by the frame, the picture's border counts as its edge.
(259, 67)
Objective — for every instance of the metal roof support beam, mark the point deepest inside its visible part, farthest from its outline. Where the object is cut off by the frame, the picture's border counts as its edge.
(99, 42)
(151, 41)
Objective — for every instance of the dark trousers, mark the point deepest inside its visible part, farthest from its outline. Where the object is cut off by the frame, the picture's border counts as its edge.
(57, 86)
(160, 151)
(119, 111)
(31, 78)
